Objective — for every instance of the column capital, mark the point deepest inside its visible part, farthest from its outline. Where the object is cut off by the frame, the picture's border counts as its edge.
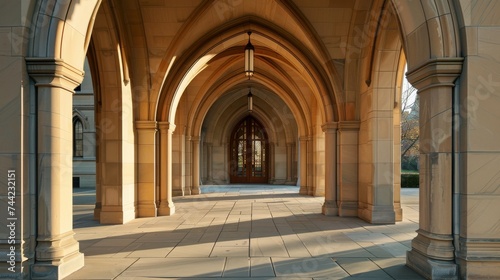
(330, 127)
(152, 125)
(53, 72)
(164, 126)
(305, 138)
(439, 72)
(349, 125)
(195, 138)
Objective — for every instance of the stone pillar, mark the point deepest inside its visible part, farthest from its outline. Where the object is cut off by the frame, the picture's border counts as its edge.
(188, 157)
(178, 161)
(166, 207)
(115, 166)
(398, 211)
(209, 163)
(303, 165)
(98, 171)
(311, 188)
(347, 167)
(272, 163)
(146, 168)
(226, 162)
(289, 158)
(195, 144)
(330, 207)
(57, 252)
(432, 252)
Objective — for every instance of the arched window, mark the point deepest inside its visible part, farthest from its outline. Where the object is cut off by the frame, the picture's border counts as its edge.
(77, 138)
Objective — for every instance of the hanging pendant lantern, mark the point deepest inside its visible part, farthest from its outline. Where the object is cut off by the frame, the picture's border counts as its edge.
(249, 57)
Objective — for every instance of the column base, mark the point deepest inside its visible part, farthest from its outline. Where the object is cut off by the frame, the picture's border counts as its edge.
(348, 209)
(436, 246)
(177, 193)
(431, 268)
(167, 209)
(377, 214)
(330, 208)
(398, 211)
(310, 190)
(113, 217)
(479, 269)
(479, 258)
(148, 210)
(97, 211)
(59, 270)
(195, 190)
(303, 190)
(56, 257)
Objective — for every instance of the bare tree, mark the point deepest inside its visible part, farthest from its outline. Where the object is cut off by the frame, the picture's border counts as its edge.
(409, 126)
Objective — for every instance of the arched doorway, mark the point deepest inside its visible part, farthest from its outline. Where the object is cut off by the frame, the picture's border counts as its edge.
(249, 152)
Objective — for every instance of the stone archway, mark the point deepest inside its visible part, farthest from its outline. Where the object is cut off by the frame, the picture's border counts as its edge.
(435, 35)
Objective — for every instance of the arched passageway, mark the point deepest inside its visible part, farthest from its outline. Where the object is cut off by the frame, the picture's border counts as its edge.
(160, 69)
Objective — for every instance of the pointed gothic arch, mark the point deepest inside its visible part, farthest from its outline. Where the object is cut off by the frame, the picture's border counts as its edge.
(249, 152)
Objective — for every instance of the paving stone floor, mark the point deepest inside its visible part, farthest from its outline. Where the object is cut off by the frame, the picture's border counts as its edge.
(244, 232)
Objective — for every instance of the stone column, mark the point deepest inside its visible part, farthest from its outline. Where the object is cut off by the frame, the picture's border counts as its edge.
(398, 211)
(289, 159)
(146, 168)
(209, 163)
(347, 168)
(166, 207)
(272, 163)
(188, 169)
(57, 252)
(303, 165)
(98, 172)
(178, 161)
(226, 162)
(330, 207)
(195, 144)
(432, 251)
(311, 187)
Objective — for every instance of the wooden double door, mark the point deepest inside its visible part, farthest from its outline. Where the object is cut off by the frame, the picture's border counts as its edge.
(249, 152)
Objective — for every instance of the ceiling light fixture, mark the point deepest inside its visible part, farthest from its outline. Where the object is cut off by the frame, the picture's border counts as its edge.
(249, 57)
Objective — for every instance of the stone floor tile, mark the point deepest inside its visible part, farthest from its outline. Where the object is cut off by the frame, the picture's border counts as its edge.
(114, 242)
(396, 249)
(274, 221)
(271, 246)
(192, 251)
(396, 267)
(163, 236)
(362, 268)
(351, 253)
(237, 267)
(149, 249)
(101, 268)
(225, 251)
(101, 251)
(307, 267)
(261, 267)
(176, 267)
(375, 250)
(294, 246)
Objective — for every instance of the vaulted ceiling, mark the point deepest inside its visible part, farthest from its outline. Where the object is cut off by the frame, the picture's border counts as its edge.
(303, 51)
